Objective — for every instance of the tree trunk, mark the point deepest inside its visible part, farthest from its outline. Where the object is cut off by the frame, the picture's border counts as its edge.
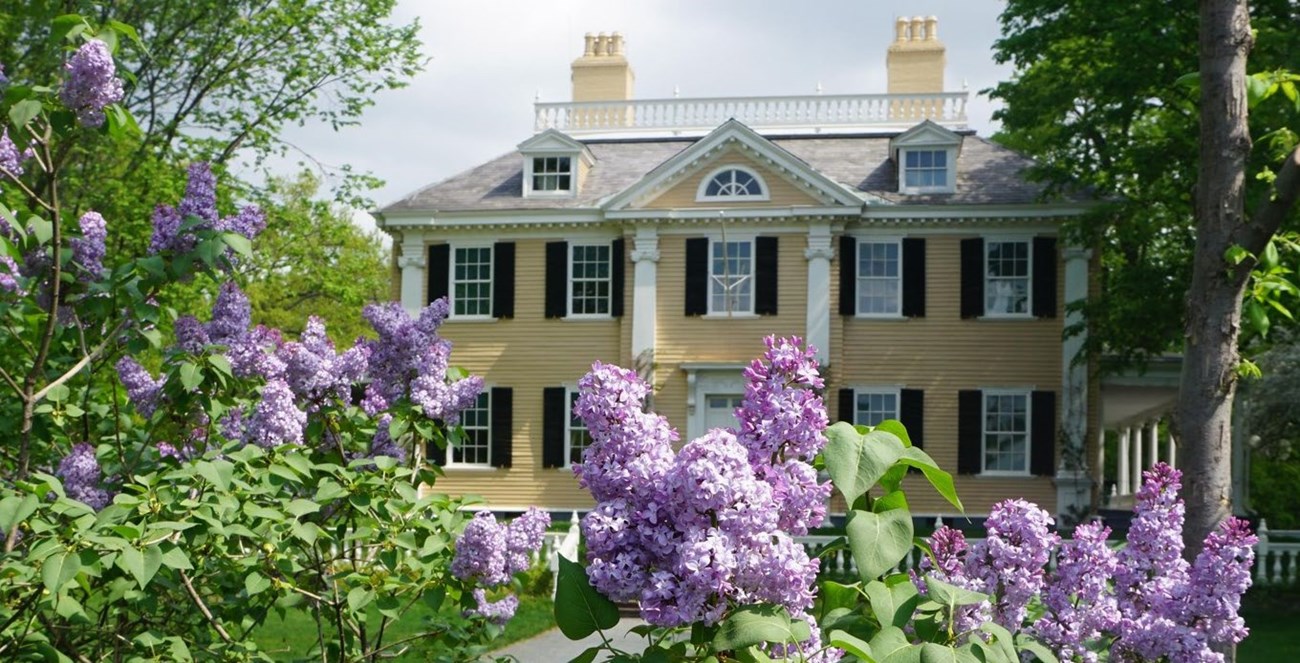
(1209, 378)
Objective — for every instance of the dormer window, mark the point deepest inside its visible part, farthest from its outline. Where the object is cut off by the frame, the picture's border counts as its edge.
(732, 183)
(554, 165)
(926, 158)
(552, 175)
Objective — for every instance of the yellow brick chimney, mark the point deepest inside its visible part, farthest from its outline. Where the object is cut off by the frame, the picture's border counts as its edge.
(916, 60)
(602, 73)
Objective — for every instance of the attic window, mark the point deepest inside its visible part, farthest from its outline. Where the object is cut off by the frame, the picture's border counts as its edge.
(552, 175)
(926, 171)
(732, 183)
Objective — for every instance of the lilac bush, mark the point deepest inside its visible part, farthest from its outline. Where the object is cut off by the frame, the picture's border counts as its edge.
(692, 535)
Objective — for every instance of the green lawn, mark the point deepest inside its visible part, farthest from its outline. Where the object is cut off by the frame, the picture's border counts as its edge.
(291, 638)
(1272, 616)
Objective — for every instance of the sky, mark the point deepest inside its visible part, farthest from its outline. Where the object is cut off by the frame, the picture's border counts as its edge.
(490, 59)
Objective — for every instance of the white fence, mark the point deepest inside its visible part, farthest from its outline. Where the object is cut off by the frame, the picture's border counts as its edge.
(795, 113)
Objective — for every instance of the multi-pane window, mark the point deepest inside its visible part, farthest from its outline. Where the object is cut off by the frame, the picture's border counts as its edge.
(472, 281)
(925, 169)
(589, 279)
(552, 174)
(879, 282)
(474, 447)
(873, 407)
(1006, 432)
(733, 183)
(577, 437)
(731, 282)
(1006, 277)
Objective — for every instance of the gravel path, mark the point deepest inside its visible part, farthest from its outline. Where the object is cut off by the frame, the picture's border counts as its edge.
(553, 647)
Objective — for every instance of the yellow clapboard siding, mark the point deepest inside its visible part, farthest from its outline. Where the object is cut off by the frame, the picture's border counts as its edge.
(781, 193)
(529, 353)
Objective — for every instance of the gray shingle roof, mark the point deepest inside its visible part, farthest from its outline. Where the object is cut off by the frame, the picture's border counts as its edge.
(987, 174)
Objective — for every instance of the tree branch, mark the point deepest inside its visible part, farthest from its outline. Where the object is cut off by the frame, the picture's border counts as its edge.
(1282, 198)
(203, 607)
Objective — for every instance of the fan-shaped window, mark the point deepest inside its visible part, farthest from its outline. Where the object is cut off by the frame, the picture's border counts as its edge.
(733, 184)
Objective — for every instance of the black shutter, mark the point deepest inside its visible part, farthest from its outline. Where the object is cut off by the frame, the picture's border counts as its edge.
(914, 277)
(970, 409)
(555, 412)
(848, 275)
(557, 279)
(765, 259)
(847, 405)
(1042, 445)
(911, 412)
(972, 277)
(503, 280)
(502, 432)
(697, 276)
(437, 272)
(1044, 259)
(437, 455)
(617, 272)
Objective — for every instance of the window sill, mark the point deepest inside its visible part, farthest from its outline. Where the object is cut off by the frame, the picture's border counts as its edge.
(1004, 475)
(588, 318)
(1007, 316)
(472, 468)
(471, 318)
(731, 316)
(880, 316)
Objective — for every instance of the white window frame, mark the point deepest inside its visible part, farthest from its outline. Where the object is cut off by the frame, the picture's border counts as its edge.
(859, 392)
(486, 428)
(1029, 275)
(529, 172)
(572, 424)
(1027, 395)
(764, 193)
(750, 278)
(950, 169)
(898, 294)
(451, 281)
(608, 280)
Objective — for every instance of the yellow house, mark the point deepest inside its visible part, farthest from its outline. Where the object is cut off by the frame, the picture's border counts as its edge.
(672, 235)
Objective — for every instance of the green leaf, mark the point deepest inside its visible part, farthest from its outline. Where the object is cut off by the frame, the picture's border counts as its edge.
(24, 111)
(1257, 316)
(853, 645)
(67, 26)
(59, 569)
(329, 490)
(579, 609)
(1026, 643)
(141, 564)
(952, 595)
(855, 461)
(935, 653)
(300, 507)
(889, 642)
(218, 472)
(587, 656)
(878, 540)
(1002, 639)
(255, 583)
(895, 428)
(938, 478)
(239, 244)
(434, 597)
(359, 598)
(893, 605)
(41, 228)
(835, 595)
(1270, 257)
(755, 624)
(389, 606)
(1257, 89)
(15, 509)
(191, 376)
(175, 558)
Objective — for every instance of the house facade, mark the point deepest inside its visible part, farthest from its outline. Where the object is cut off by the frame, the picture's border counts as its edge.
(672, 235)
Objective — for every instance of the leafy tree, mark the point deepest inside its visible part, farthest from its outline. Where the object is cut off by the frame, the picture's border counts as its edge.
(313, 261)
(1272, 421)
(1103, 99)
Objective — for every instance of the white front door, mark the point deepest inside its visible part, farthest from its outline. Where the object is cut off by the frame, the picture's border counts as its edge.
(720, 410)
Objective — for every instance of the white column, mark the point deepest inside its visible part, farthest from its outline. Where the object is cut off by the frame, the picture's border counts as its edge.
(412, 263)
(1122, 460)
(1073, 485)
(1153, 443)
(645, 255)
(1136, 466)
(819, 254)
(1172, 451)
(1101, 458)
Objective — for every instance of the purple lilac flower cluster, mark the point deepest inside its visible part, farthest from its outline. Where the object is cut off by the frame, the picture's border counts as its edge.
(92, 83)
(315, 372)
(692, 534)
(200, 201)
(490, 553)
(88, 250)
(409, 359)
(80, 473)
(276, 420)
(11, 159)
(1145, 602)
(9, 273)
(143, 389)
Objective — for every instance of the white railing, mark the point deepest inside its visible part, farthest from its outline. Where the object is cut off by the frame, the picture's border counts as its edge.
(799, 114)
(1276, 562)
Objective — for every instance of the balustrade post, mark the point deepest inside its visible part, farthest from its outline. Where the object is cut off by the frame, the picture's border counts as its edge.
(1261, 553)
(1123, 458)
(1135, 482)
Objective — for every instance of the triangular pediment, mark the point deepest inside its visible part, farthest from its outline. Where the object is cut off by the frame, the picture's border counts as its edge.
(736, 141)
(926, 133)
